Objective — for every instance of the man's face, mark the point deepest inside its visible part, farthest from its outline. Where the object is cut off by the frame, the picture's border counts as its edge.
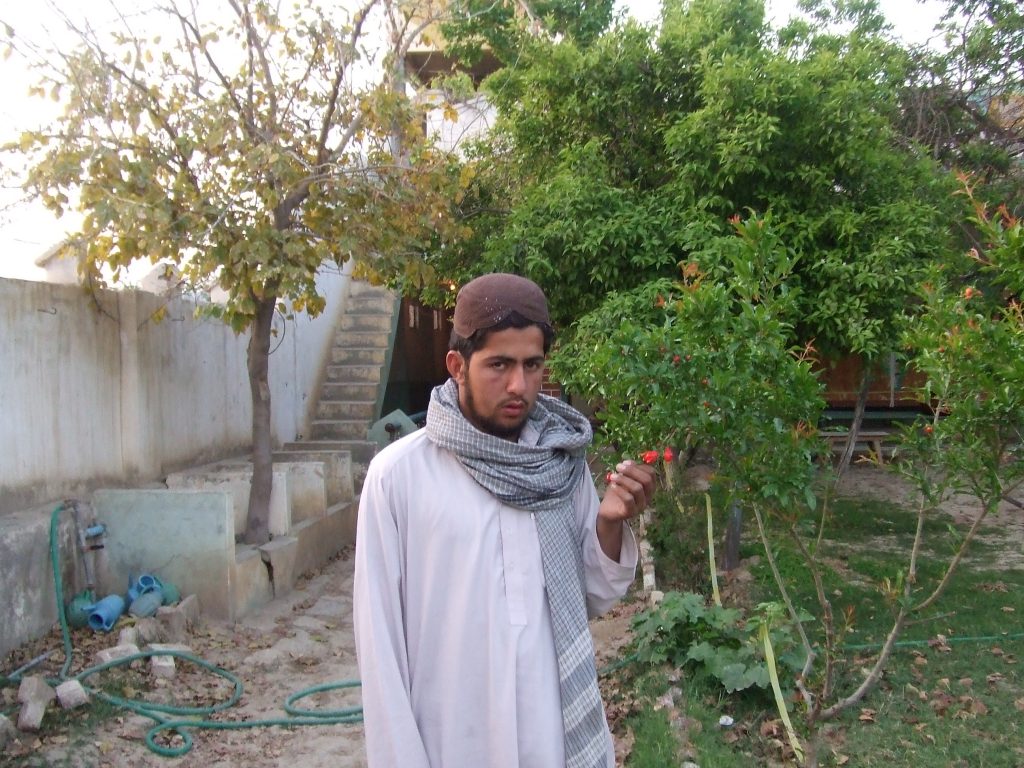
(500, 384)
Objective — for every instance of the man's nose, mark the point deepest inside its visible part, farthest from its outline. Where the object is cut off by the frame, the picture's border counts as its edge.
(516, 380)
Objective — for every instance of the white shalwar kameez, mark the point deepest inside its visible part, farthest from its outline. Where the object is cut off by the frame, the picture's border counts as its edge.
(455, 645)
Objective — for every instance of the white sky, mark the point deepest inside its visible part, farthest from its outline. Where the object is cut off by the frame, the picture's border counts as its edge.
(28, 231)
(913, 20)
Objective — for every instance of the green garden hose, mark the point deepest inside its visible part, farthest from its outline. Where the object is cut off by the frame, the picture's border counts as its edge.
(183, 719)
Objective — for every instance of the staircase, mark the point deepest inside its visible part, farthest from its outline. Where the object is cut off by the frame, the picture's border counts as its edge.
(354, 380)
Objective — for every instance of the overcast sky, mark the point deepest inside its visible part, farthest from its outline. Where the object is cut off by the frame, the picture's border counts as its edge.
(912, 20)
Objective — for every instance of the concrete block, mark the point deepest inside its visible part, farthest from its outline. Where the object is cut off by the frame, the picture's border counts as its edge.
(235, 478)
(117, 652)
(250, 582)
(129, 636)
(7, 730)
(35, 688)
(187, 536)
(320, 540)
(71, 694)
(280, 555)
(172, 623)
(162, 666)
(150, 630)
(307, 489)
(178, 620)
(31, 716)
(189, 605)
(337, 470)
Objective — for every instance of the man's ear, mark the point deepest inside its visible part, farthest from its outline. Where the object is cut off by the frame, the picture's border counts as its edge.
(456, 365)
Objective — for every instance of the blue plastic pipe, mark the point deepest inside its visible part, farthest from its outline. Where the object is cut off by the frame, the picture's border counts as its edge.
(106, 612)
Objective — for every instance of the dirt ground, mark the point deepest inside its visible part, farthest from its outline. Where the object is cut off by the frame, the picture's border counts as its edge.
(305, 639)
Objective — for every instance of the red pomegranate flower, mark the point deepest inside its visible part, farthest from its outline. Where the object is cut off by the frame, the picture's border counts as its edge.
(650, 457)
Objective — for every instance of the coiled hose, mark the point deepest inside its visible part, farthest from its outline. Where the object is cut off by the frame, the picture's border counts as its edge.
(180, 719)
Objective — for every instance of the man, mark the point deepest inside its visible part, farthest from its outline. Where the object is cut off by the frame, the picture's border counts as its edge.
(481, 550)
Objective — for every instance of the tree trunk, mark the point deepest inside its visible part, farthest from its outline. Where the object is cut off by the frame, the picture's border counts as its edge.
(257, 528)
(733, 531)
(858, 418)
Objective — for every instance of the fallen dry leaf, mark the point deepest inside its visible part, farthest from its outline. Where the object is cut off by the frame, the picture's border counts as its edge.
(996, 586)
(867, 715)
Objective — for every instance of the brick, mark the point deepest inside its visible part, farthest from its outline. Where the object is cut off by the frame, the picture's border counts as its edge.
(71, 694)
(173, 624)
(117, 652)
(178, 619)
(31, 716)
(162, 666)
(129, 636)
(150, 630)
(35, 688)
(189, 606)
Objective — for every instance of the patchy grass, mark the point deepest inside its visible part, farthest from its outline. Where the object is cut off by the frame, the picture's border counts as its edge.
(952, 694)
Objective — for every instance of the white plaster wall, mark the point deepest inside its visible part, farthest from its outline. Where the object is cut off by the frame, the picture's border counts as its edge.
(475, 118)
(90, 398)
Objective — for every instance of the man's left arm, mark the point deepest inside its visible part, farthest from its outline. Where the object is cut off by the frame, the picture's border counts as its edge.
(630, 489)
(610, 552)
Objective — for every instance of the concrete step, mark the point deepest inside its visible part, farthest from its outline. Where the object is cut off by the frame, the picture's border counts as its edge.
(360, 450)
(343, 391)
(363, 288)
(337, 468)
(362, 339)
(372, 303)
(345, 409)
(320, 540)
(338, 429)
(353, 374)
(348, 356)
(359, 322)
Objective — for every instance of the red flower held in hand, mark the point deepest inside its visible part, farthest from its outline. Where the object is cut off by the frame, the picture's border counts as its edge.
(650, 457)
(669, 454)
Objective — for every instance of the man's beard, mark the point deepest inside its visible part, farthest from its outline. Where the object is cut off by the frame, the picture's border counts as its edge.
(486, 423)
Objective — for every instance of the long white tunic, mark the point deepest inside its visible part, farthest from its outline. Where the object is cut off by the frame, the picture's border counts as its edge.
(456, 651)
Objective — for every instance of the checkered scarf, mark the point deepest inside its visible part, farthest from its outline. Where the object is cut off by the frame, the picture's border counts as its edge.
(542, 478)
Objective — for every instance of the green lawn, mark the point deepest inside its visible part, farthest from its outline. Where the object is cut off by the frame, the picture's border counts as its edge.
(951, 695)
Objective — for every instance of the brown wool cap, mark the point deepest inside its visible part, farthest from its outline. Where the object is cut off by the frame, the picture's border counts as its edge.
(489, 299)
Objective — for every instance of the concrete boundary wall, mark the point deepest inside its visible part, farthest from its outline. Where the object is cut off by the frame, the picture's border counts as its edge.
(95, 393)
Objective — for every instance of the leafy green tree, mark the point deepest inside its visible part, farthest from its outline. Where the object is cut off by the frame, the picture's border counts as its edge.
(247, 150)
(479, 26)
(965, 101)
(627, 156)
